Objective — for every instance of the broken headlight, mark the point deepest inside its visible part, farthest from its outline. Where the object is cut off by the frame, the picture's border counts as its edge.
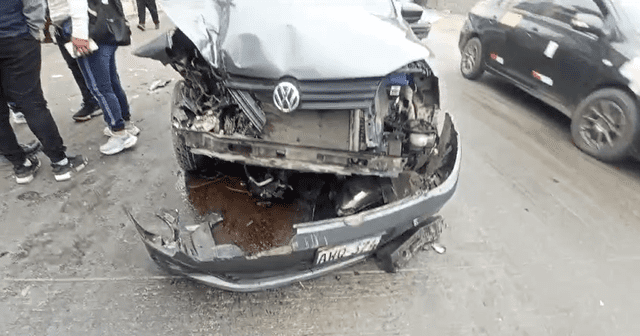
(410, 97)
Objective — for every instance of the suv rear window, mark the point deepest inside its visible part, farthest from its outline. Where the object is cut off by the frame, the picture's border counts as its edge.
(580, 6)
(561, 10)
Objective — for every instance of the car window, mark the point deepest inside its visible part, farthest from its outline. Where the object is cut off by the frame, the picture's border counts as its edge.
(560, 10)
(509, 3)
(537, 7)
(580, 6)
(565, 10)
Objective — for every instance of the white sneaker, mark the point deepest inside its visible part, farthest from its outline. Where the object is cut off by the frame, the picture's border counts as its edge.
(118, 142)
(129, 126)
(18, 118)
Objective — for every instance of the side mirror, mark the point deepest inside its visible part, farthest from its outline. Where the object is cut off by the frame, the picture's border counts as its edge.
(411, 12)
(589, 24)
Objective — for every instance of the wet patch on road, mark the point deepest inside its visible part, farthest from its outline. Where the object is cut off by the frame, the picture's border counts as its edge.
(249, 223)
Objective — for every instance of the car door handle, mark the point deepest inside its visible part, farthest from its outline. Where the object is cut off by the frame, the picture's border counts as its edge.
(535, 29)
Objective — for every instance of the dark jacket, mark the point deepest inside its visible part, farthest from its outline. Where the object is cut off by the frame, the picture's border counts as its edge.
(21, 18)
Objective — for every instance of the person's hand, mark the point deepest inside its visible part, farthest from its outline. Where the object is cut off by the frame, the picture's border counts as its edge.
(47, 32)
(81, 46)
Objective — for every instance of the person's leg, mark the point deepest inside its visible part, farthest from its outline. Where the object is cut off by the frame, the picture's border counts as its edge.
(117, 88)
(96, 69)
(25, 165)
(9, 146)
(30, 148)
(124, 102)
(153, 9)
(87, 97)
(21, 84)
(141, 13)
(16, 115)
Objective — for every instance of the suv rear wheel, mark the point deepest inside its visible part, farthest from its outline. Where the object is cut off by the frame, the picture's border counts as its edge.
(606, 124)
(471, 63)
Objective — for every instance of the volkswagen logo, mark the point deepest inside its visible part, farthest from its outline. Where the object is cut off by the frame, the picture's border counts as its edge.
(286, 97)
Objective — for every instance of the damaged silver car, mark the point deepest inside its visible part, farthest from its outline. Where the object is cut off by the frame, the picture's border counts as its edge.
(311, 137)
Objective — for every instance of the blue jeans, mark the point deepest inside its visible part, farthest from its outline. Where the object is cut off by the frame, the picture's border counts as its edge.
(63, 35)
(100, 74)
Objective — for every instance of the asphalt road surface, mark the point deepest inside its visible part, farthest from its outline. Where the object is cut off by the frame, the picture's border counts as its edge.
(542, 239)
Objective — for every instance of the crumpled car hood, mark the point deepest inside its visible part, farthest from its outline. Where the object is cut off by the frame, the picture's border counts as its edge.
(274, 39)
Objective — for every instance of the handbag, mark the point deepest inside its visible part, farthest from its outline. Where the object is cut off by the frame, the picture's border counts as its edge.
(107, 23)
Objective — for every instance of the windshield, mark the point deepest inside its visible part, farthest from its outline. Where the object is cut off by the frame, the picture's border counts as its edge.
(376, 7)
(631, 9)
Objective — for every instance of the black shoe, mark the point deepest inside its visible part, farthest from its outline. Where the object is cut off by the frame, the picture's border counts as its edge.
(25, 174)
(141, 26)
(74, 165)
(86, 112)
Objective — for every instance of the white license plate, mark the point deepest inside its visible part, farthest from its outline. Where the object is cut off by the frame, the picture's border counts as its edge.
(327, 254)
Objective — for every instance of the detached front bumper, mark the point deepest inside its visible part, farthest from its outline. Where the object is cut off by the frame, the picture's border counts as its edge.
(314, 249)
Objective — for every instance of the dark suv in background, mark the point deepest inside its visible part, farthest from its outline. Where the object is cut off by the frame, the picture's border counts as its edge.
(579, 56)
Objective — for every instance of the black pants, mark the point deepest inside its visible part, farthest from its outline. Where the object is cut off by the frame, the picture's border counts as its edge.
(153, 9)
(20, 62)
(87, 98)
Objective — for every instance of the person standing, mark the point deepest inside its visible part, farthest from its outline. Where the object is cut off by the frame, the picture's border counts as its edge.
(20, 62)
(142, 13)
(101, 75)
(61, 20)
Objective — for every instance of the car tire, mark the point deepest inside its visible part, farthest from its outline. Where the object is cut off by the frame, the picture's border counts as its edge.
(472, 63)
(606, 124)
(188, 161)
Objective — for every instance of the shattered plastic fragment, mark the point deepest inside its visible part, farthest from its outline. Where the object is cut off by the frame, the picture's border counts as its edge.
(359, 193)
(159, 84)
(438, 248)
(192, 227)
(207, 123)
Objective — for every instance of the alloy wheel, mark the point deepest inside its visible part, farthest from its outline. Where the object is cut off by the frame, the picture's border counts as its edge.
(603, 124)
(470, 58)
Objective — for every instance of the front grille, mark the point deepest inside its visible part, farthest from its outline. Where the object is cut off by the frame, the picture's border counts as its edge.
(343, 94)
